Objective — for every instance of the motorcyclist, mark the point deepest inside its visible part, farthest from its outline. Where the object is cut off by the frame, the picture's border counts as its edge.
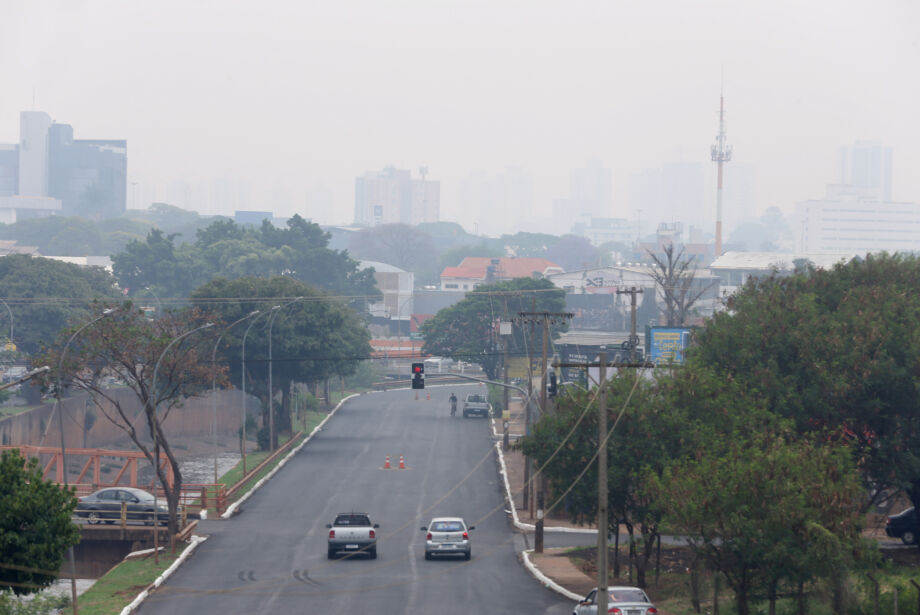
(453, 404)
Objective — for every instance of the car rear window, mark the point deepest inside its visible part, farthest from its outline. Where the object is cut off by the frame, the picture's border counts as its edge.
(447, 526)
(628, 595)
(352, 520)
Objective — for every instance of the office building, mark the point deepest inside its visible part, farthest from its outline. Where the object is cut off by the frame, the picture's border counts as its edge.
(866, 165)
(49, 172)
(848, 221)
(393, 196)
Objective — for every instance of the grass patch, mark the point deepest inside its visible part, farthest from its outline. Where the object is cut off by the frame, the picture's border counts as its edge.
(671, 591)
(310, 420)
(123, 583)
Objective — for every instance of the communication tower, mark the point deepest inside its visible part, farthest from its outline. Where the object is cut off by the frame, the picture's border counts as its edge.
(721, 153)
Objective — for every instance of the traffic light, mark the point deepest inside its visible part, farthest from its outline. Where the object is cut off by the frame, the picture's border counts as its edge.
(418, 375)
(553, 387)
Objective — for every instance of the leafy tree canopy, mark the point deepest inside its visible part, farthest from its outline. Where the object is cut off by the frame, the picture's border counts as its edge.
(313, 338)
(35, 525)
(223, 249)
(44, 294)
(468, 330)
(837, 352)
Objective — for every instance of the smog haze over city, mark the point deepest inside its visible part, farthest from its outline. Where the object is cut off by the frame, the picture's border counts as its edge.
(285, 104)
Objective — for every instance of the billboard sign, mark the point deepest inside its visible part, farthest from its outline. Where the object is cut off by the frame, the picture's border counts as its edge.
(667, 344)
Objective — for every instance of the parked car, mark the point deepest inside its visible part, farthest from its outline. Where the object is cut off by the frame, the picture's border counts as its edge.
(904, 525)
(352, 532)
(105, 506)
(620, 601)
(447, 536)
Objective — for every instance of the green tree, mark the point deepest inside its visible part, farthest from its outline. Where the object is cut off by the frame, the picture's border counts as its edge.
(44, 294)
(762, 509)
(35, 525)
(573, 252)
(313, 339)
(468, 330)
(399, 245)
(642, 442)
(128, 346)
(836, 351)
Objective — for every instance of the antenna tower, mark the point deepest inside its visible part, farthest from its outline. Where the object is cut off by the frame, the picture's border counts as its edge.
(721, 153)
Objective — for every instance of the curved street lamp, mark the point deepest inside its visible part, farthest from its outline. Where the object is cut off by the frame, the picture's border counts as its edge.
(156, 441)
(214, 386)
(60, 413)
(271, 409)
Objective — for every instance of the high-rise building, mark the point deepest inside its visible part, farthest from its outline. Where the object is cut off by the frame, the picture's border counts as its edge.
(590, 194)
(50, 172)
(866, 165)
(496, 203)
(393, 196)
(89, 176)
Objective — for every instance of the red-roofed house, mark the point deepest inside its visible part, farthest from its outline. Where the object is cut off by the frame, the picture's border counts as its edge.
(476, 270)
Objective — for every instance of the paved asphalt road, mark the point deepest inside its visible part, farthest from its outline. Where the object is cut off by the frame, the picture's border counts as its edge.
(271, 558)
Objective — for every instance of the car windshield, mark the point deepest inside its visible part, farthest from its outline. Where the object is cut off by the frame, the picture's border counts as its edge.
(446, 526)
(628, 595)
(352, 520)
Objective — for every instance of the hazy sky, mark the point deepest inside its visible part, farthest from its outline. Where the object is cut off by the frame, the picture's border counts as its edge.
(290, 95)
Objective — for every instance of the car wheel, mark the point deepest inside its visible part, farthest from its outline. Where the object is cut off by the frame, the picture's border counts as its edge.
(92, 517)
(373, 553)
(331, 553)
(427, 555)
(909, 538)
(467, 555)
(466, 414)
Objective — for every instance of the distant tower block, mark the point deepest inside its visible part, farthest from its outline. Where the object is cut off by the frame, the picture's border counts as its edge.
(721, 153)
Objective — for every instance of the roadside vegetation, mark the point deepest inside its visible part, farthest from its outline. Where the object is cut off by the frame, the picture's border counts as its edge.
(794, 415)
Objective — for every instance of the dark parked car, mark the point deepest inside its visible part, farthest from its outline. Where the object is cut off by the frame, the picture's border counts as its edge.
(105, 506)
(905, 526)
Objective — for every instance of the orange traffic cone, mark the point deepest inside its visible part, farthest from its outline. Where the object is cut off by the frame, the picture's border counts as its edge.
(386, 465)
(402, 463)
(416, 396)
(427, 395)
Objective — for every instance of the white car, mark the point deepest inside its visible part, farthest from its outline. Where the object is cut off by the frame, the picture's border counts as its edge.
(620, 601)
(447, 536)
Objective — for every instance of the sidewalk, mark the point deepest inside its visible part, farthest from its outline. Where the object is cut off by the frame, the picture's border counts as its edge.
(553, 567)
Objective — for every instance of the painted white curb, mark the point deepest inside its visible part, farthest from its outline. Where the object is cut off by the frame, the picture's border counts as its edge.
(232, 508)
(548, 582)
(195, 541)
(529, 527)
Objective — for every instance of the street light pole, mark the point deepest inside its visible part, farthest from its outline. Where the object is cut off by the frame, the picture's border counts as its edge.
(156, 440)
(60, 413)
(214, 387)
(271, 409)
(271, 398)
(159, 305)
(243, 441)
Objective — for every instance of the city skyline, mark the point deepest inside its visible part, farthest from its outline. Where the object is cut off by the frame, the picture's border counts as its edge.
(544, 92)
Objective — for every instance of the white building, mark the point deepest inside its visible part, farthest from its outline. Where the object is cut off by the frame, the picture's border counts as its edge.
(736, 268)
(396, 285)
(392, 196)
(33, 153)
(851, 220)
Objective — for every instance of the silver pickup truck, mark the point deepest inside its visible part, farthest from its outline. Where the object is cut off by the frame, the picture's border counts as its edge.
(476, 404)
(352, 532)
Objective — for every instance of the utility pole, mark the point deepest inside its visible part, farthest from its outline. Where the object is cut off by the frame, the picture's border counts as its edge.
(506, 343)
(602, 493)
(602, 486)
(547, 318)
(633, 338)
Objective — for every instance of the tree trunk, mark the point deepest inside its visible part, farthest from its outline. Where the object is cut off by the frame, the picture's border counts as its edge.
(772, 597)
(802, 599)
(695, 584)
